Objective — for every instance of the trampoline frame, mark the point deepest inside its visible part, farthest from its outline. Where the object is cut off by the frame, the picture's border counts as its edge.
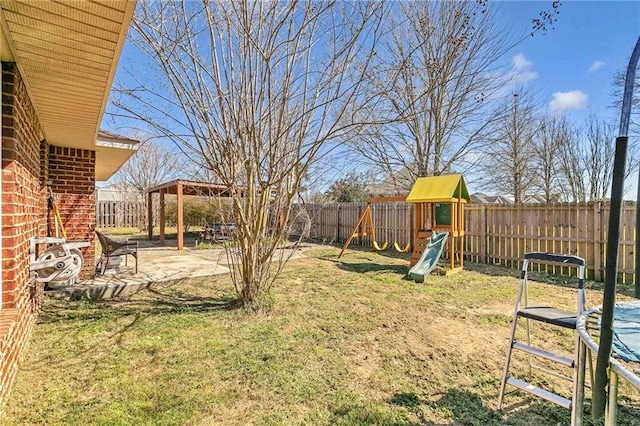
(616, 368)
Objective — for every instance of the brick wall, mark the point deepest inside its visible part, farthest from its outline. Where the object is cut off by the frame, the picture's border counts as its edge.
(44, 177)
(23, 213)
(72, 177)
(29, 163)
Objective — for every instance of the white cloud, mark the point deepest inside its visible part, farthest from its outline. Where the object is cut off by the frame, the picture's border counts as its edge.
(520, 62)
(563, 101)
(596, 65)
(522, 69)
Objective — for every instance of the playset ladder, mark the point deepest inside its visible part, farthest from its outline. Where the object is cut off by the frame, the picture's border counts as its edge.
(419, 245)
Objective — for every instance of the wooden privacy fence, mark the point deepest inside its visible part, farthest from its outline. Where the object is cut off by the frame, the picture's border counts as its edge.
(121, 214)
(393, 222)
(495, 234)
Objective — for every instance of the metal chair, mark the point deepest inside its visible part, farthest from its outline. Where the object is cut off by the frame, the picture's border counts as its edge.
(217, 232)
(113, 248)
(548, 315)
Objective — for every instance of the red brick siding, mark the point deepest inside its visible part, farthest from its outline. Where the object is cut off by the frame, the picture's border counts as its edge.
(72, 177)
(23, 213)
(44, 178)
(28, 164)
(15, 329)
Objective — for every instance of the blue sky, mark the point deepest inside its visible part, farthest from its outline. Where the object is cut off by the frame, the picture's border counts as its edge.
(591, 41)
(570, 67)
(573, 64)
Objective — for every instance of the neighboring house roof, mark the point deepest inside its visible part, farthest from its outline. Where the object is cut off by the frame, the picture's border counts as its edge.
(116, 192)
(67, 54)
(534, 199)
(103, 194)
(436, 189)
(115, 195)
(117, 187)
(384, 189)
(481, 198)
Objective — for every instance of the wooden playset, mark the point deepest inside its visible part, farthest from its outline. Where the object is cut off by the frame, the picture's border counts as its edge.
(439, 206)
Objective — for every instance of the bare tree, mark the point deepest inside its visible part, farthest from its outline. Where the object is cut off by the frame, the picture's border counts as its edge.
(436, 75)
(617, 87)
(151, 165)
(255, 92)
(550, 138)
(586, 157)
(598, 157)
(633, 155)
(572, 167)
(509, 164)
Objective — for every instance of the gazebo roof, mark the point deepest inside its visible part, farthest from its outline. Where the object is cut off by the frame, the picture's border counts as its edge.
(191, 188)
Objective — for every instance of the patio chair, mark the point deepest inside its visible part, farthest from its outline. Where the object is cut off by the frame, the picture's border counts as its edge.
(218, 232)
(112, 250)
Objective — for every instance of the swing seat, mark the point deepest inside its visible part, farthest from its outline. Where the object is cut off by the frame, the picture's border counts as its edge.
(401, 249)
(377, 247)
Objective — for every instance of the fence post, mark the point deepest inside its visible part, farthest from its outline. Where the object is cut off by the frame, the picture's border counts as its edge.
(360, 239)
(119, 215)
(411, 227)
(597, 241)
(338, 222)
(483, 233)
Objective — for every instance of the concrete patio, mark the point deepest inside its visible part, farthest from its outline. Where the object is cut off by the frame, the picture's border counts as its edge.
(156, 264)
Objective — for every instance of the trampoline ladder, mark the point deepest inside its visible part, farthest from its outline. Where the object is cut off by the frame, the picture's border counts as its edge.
(547, 315)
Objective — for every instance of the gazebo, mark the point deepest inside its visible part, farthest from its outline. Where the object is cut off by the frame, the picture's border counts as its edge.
(180, 188)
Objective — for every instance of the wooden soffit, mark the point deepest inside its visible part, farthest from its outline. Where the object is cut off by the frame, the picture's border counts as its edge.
(67, 52)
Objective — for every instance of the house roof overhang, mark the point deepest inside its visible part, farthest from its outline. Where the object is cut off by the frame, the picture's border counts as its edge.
(67, 53)
(112, 151)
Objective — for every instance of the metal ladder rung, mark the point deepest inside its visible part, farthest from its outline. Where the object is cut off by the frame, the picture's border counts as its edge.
(551, 372)
(544, 354)
(540, 393)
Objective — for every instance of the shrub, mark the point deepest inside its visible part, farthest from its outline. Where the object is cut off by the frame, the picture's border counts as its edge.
(200, 211)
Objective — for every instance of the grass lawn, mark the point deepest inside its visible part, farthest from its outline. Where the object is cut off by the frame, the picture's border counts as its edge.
(347, 343)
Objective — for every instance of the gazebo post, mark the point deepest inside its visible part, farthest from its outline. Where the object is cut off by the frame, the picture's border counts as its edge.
(162, 215)
(182, 189)
(180, 214)
(150, 214)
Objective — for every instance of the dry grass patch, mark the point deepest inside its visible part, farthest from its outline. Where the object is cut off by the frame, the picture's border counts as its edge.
(348, 342)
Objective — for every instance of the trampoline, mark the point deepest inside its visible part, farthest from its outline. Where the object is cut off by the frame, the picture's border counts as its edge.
(625, 358)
